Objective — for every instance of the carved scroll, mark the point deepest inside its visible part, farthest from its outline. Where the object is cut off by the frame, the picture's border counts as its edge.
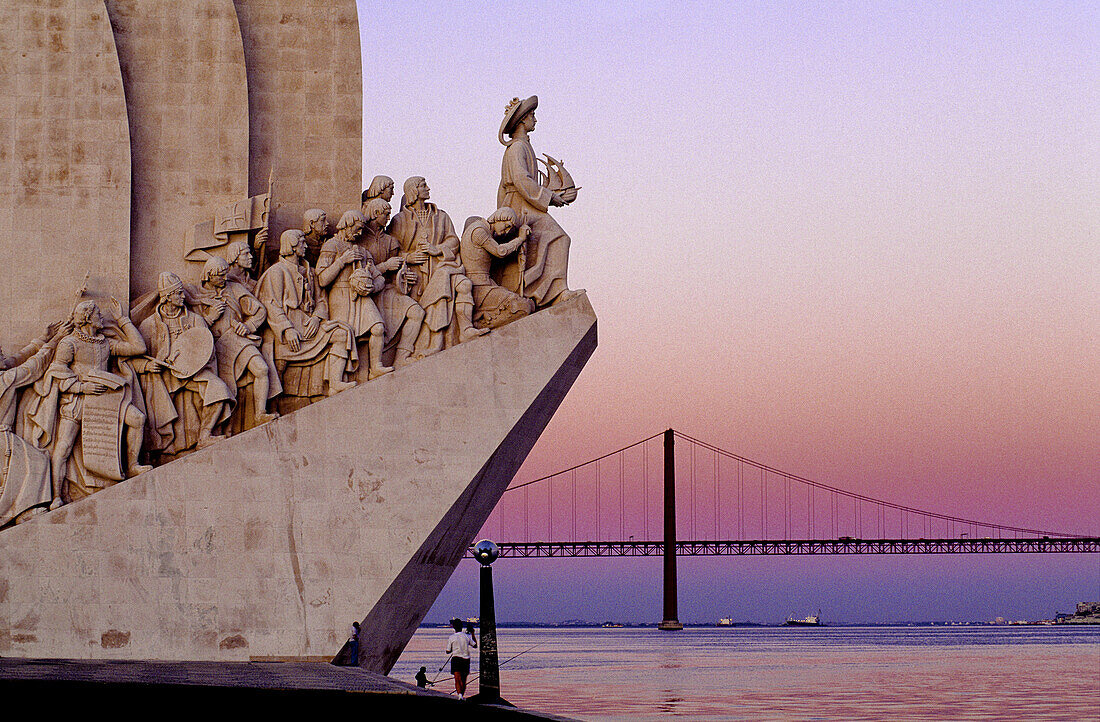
(101, 428)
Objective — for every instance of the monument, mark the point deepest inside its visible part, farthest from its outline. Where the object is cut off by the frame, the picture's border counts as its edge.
(237, 432)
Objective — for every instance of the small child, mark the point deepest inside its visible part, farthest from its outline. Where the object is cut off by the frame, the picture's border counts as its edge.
(422, 677)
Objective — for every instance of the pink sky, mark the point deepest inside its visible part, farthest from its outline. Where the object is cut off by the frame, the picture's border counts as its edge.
(856, 244)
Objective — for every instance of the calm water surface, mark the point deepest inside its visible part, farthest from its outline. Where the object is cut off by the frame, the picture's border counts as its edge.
(830, 673)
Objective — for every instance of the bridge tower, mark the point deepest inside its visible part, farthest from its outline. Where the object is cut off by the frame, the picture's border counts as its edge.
(671, 621)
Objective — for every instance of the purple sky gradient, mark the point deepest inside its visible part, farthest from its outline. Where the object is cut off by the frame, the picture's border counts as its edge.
(857, 243)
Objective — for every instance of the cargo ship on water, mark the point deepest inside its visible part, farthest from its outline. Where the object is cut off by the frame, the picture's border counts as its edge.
(813, 620)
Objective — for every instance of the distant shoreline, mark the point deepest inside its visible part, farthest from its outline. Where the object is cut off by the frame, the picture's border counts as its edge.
(758, 625)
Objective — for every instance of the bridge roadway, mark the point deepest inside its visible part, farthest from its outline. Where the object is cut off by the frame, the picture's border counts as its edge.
(761, 547)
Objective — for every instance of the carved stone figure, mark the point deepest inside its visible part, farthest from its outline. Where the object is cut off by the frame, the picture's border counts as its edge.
(235, 317)
(315, 226)
(310, 350)
(90, 416)
(380, 187)
(185, 399)
(25, 486)
(494, 305)
(543, 279)
(403, 316)
(239, 256)
(430, 245)
(348, 272)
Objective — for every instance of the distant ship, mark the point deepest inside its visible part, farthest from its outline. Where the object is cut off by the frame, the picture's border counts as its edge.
(611, 625)
(814, 620)
(725, 622)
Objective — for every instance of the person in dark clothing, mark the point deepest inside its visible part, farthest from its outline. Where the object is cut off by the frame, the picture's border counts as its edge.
(353, 640)
(422, 677)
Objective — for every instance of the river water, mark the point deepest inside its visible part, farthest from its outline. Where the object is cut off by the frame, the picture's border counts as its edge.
(828, 673)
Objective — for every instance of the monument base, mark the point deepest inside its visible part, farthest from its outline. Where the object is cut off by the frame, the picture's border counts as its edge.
(267, 545)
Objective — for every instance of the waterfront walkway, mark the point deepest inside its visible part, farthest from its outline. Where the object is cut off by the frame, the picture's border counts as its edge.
(141, 686)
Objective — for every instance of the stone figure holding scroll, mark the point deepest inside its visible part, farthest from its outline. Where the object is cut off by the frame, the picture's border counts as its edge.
(25, 476)
(351, 278)
(185, 399)
(522, 188)
(311, 352)
(403, 316)
(430, 247)
(90, 417)
(235, 317)
(485, 240)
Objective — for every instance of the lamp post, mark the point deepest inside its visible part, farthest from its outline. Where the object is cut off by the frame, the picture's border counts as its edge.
(486, 552)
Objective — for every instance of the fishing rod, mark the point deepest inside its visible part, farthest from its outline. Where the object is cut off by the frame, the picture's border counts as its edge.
(510, 659)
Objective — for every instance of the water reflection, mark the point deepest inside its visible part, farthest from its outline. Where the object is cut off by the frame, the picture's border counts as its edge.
(835, 673)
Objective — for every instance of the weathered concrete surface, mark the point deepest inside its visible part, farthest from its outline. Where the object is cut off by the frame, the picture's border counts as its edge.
(268, 544)
(305, 105)
(64, 162)
(187, 100)
(77, 685)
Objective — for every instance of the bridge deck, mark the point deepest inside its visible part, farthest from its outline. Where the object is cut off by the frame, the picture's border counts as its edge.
(757, 547)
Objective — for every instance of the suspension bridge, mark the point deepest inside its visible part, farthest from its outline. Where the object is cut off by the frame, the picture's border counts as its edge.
(724, 504)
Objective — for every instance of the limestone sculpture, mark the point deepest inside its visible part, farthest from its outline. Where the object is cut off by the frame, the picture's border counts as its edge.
(25, 486)
(240, 258)
(380, 187)
(235, 317)
(430, 245)
(403, 316)
(494, 305)
(348, 272)
(89, 416)
(311, 352)
(315, 226)
(530, 194)
(185, 399)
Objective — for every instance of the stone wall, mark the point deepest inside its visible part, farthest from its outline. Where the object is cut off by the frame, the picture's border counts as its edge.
(183, 69)
(64, 163)
(305, 104)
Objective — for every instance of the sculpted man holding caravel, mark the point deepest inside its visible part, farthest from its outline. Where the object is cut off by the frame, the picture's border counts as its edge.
(530, 193)
(214, 356)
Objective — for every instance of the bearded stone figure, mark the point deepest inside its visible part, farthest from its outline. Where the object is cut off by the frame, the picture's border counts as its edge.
(403, 316)
(235, 317)
(430, 247)
(348, 273)
(311, 352)
(185, 399)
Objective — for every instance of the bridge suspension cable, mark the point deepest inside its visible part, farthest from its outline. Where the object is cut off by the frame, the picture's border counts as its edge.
(729, 497)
